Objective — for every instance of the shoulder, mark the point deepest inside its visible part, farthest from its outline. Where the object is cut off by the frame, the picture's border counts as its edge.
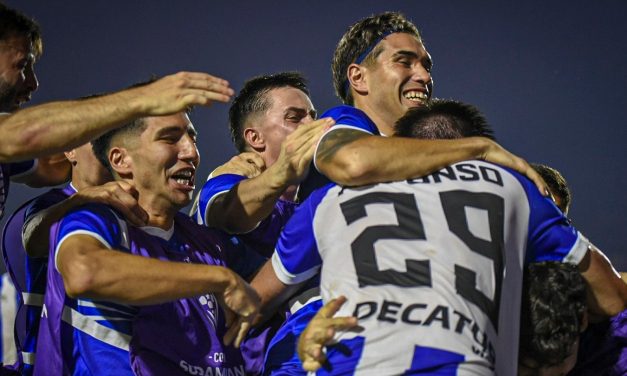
(352, 117)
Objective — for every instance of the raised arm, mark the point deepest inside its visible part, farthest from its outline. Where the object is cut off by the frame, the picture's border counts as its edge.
(58, 126)
(252, 200)
(351, 157)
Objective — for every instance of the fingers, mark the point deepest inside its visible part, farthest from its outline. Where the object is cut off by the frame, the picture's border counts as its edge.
(232, 332)
(122, 196)
(331, 308)
(247, 164)
(538, 181)
(241, 333)
(254, 158)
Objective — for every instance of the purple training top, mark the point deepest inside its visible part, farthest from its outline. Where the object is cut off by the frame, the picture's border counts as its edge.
(83, 336)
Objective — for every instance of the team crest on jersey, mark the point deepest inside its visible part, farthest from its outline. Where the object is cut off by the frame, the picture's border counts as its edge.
(210, 305)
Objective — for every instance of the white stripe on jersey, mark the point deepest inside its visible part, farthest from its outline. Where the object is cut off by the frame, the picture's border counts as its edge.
(89, 325)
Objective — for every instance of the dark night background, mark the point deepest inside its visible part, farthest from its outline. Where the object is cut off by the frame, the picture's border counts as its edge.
(551, 76)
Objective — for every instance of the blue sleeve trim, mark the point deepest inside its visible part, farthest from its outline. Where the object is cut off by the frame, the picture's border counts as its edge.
(210, 190)
(296, 257)
(551, 237)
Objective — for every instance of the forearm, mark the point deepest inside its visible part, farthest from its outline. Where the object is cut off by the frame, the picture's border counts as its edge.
(373, 159)
(58, 126)
(271, 290)
(129, 279)
(246, 204)
(607, 292)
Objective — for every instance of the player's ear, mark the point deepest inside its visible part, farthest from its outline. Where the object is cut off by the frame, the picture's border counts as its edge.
(71, 156)
(255, 139)
(357, 78)
(120, 161)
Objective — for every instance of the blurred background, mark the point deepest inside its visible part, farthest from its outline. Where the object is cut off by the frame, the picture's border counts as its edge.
(551, 77)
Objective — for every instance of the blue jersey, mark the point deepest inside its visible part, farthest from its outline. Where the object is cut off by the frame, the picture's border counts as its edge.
(84, 336)
(28, 275)
(422, 263)
(346, 117)
(263, 238)
(255, 248)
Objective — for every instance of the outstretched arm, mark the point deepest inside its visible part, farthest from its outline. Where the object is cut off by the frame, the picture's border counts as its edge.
(58, 126)
(252, 200)
(351, 157)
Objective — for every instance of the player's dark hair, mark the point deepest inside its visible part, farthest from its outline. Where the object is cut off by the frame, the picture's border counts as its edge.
(252, 99)
(557, 184)
(361, 38)
(102, 144)
(443, 119)
(552, 311)
(14, 23)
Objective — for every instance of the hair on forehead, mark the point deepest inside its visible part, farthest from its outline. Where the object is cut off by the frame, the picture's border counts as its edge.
(361, 38)
(557, 184)
(443, 119)
(14, 23)
(253, 99)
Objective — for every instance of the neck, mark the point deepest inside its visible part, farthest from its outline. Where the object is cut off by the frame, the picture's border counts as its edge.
(384, 126)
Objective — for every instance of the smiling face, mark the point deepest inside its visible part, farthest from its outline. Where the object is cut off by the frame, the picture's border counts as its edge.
(396, 79)
(17, 75)
(289, 108)
(162, 161)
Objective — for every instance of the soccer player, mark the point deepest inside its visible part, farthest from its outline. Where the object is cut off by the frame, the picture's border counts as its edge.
(148, 300)
(272, 126)
(422, 265)
(380, 70)
(603, 345)
(28, 227)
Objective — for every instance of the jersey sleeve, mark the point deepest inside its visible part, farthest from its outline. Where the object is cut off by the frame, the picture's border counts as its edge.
(347, 117)
(296, 257)
(213, 188)
(551, 236)
(95, 220)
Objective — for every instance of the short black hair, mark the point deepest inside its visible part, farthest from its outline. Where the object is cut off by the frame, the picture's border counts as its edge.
(358, 39)
(443, 119)
(14, 23)
(556, 182)
(252, 100)
(101, 145)
(552, 311)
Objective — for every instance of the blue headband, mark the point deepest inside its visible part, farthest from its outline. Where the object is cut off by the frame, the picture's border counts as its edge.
(367, 52)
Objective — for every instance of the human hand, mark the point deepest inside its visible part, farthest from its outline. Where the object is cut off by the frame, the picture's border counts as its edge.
(297, 151)
(121, 195)
(320, 332)
(243, 301)
(178, 92)
(249, 164)
(497, 154)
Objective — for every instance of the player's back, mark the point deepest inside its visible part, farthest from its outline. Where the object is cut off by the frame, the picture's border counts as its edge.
(432, 269)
